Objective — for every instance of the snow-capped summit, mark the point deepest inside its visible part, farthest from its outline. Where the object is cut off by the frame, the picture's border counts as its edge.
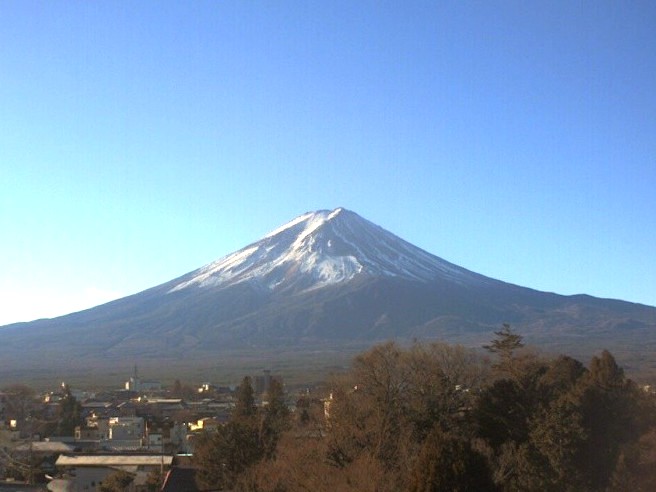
(324, 283)
(322, 248)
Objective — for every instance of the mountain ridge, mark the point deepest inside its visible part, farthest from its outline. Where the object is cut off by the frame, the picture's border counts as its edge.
(324, 279)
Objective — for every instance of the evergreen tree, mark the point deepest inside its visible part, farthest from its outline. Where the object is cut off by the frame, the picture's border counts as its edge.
(504, 410)
(245, 405)
(221, 457)
(450, 464)
(275, 418)
(502, 413)
(176, 391)
(69, 413)
(505, 345)
(561, 376)
(612, 416)
(557, 437)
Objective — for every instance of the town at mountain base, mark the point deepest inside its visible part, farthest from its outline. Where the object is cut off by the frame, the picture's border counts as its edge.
(428, 416)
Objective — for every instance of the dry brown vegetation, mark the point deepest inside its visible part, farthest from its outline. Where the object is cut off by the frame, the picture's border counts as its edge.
(440, 417)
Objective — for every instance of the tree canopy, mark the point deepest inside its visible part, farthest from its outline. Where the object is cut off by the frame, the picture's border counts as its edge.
(437, 417)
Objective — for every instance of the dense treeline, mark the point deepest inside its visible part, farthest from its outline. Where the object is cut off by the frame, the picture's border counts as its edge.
(443, 418)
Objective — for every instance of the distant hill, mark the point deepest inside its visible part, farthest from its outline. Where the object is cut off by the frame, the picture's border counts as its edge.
(326, 282)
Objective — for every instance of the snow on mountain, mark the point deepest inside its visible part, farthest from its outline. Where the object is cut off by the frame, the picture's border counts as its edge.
(323, 248)
(365, 285)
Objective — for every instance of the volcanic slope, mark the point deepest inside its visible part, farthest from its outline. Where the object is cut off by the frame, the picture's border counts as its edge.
(325, 279)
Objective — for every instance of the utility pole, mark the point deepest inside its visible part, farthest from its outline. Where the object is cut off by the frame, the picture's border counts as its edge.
(30, 459)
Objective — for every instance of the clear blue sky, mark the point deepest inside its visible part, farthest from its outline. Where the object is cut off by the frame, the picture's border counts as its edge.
(141, 140)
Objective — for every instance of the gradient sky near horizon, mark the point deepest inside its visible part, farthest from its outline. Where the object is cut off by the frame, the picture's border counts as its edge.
(142, 140)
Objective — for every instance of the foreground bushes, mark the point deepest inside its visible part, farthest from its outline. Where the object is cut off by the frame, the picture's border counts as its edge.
(440, 417)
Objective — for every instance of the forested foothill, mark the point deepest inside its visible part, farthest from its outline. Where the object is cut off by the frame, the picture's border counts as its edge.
(439, 417)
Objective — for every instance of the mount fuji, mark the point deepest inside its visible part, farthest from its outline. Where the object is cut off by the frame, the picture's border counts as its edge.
(326, 280)
(325, 248)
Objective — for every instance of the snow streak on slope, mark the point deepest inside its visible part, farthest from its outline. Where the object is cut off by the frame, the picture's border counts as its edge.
(323, 248)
